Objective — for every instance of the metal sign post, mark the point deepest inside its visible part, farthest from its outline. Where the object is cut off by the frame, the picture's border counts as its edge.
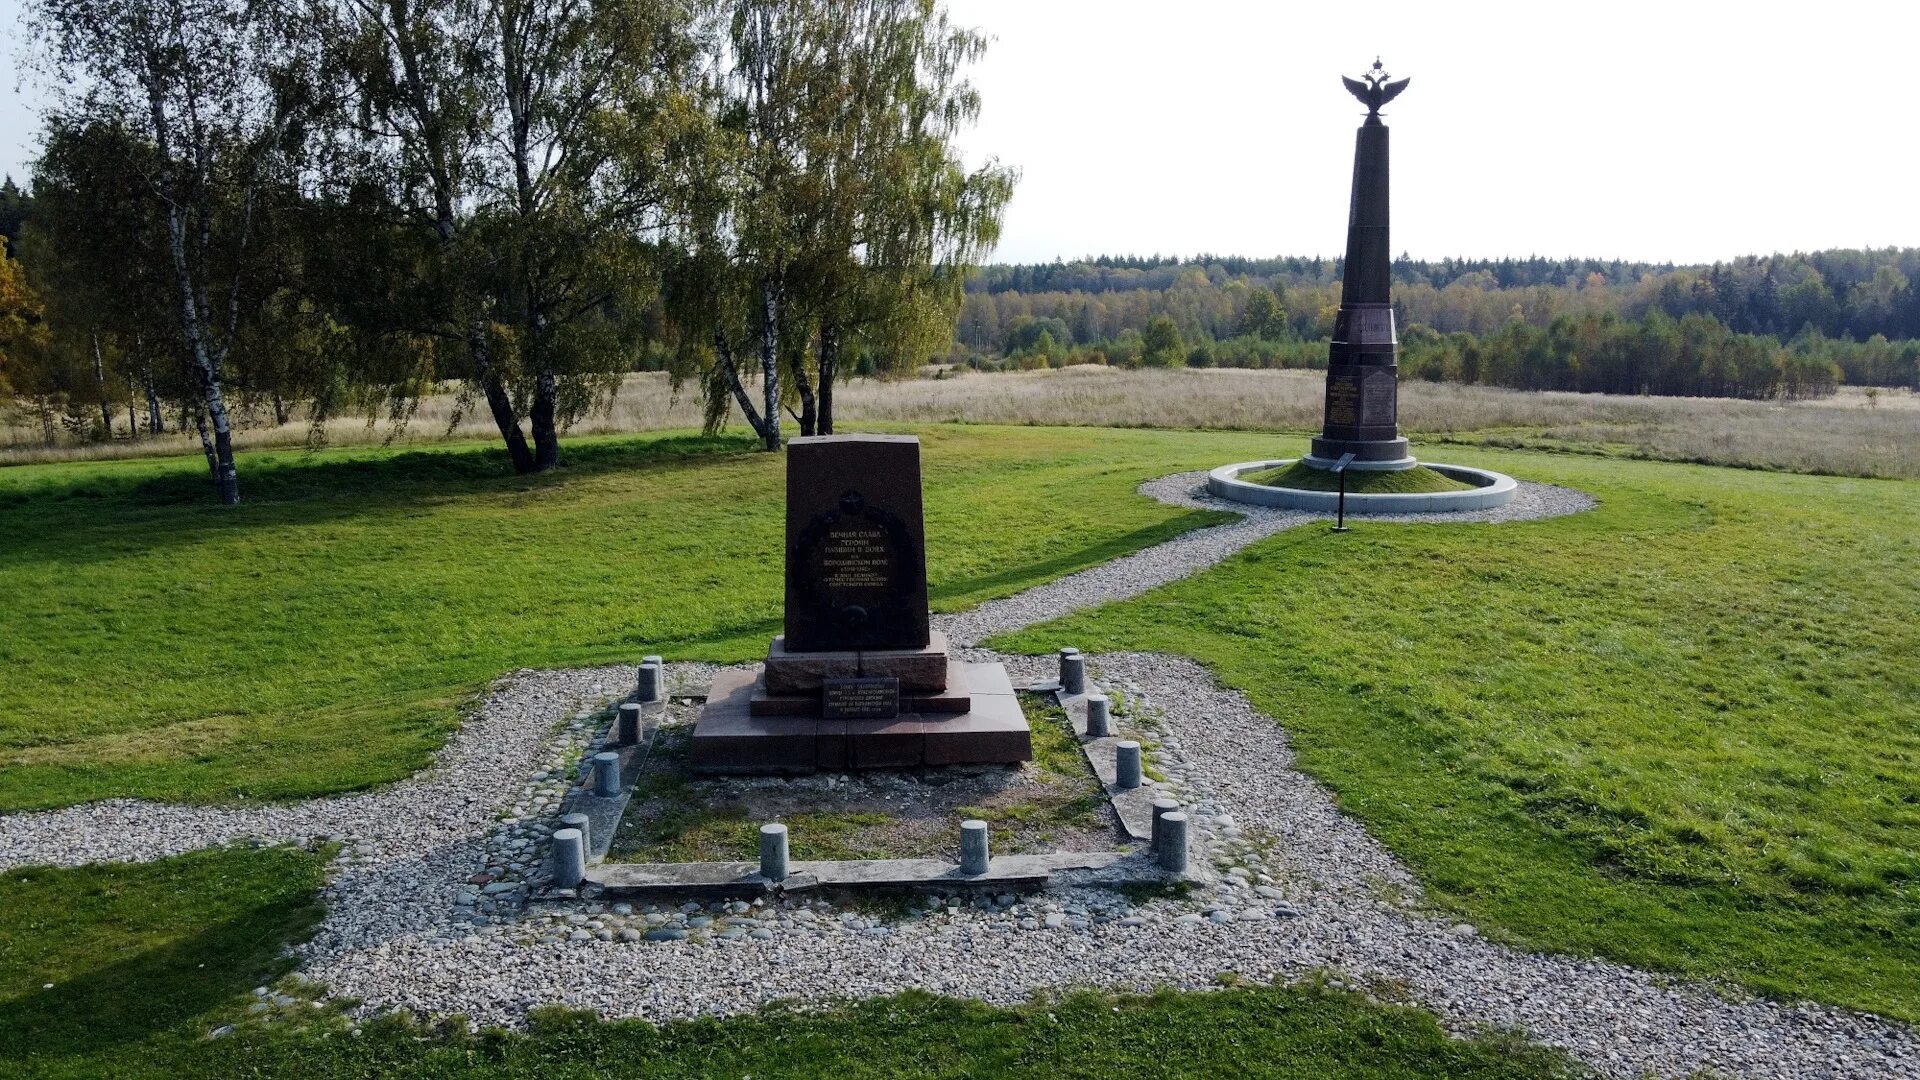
(1340, 470)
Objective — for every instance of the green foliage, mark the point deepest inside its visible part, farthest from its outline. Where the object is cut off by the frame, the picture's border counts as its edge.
(369, 592)
(15, 205)
(1675, 730)
(1160, 344)
(1024, 334)
(827, 208)
(1752, 328)
(1263, 316)
(20, 330)
(1696, 356)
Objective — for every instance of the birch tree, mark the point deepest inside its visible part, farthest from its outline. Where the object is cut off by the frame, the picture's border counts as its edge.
(835, 212)
(204, 83)
(521, 140)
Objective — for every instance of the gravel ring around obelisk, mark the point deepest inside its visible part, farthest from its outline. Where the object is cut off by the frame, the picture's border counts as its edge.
(1310, 894)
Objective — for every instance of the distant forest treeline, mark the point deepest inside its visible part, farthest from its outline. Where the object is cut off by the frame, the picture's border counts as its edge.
(1791, 325)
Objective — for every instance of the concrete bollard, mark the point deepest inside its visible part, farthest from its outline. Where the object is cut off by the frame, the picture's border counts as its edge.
(606, 773)
(1126, 763)
(973, 847)
(1161, 808)
(773, 852)
(626, 724)
(1099, 716)
(1172, 846)
(569, 858)
(580, 822)
(658, 661)
(1073, 671)
(652, 682)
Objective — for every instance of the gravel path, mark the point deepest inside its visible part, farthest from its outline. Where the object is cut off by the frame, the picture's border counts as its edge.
(480, 770)
(426, 908)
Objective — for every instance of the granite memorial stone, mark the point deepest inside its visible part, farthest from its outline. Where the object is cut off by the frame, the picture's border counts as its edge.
(856, 544)
(858, 679)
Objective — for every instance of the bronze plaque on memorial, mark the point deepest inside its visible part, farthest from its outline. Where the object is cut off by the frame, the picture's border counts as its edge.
(856, 544)
(862, 698)
(1343, 400)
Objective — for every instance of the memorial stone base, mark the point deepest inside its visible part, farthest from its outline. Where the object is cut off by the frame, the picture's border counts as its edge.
(801, 713)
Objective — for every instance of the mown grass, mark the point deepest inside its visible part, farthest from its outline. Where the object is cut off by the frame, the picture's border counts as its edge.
(321, 636)
(1417, 480)
(97, 963)
(146, 961)
(1678, 730)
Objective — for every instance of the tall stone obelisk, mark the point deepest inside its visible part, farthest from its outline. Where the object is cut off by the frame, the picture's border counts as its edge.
(1362, 365)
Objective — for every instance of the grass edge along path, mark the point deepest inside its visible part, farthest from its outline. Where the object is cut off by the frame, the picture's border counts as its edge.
(1675, 731)
(146, 961)
(322, 636)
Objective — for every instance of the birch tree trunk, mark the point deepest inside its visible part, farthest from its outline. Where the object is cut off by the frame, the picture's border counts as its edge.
(226, 478)
(546, 437)
(803, 386)
(731, 373)
(829, 364)
(100, 379)
(499, 404)
(156, 423)
(206, 444)
(770, 362)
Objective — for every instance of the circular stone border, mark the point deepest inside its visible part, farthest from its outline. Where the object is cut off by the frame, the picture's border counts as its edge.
(1490, 489)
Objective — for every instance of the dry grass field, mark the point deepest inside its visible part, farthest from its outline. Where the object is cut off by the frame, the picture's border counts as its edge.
(1855, 433)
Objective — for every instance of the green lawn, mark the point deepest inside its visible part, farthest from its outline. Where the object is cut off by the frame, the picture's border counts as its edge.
(145, 961)
(322, 636)
(1679, 730)
(1682, 730)
(98, 963)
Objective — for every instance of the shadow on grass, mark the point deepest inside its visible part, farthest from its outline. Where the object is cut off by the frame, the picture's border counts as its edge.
(956, 595)
(56, 516)
(278, 476)
(91, 921)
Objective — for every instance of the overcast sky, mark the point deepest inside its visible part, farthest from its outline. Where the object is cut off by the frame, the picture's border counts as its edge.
(1663, 131)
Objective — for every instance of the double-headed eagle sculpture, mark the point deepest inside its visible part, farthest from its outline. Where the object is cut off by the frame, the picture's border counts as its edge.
(1376, 91)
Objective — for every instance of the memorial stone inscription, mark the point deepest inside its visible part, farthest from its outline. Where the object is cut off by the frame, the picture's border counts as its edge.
(856, 544)
(860, 698)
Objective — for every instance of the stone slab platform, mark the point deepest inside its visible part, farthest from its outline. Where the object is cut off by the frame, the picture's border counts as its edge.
(920, 671)
(1133, 806)
(731, 739)
(964, 683)
(729, 880)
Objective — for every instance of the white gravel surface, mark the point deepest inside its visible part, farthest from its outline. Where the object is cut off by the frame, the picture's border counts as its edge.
(426, 907)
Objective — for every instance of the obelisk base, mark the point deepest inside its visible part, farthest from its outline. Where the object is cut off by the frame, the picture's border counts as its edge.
(1369, 455)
